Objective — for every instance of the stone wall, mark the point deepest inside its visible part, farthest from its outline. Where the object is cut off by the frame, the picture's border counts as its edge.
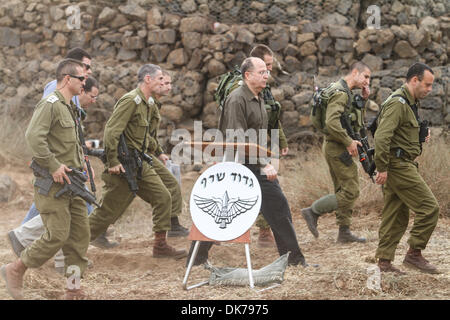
(197, 40)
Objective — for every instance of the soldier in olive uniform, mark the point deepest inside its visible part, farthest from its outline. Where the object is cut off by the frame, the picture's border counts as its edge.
(55, 145)
(397, 144)
(159, 163)
(343, 170)
(134, 115)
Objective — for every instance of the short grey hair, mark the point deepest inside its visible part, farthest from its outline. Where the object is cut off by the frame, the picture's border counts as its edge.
(247, 65)
(147, 69)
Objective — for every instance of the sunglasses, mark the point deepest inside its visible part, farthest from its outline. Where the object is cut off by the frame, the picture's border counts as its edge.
(87, 66)
(81, 78)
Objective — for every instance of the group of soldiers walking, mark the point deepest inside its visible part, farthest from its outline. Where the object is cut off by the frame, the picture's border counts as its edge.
(55, 138)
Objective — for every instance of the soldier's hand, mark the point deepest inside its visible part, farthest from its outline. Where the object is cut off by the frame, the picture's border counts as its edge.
(353, 148)
(270, 172)
(60, 174)
(381, 177)
(428, 137)
(284, 151)
(116, 169)
(163, 157)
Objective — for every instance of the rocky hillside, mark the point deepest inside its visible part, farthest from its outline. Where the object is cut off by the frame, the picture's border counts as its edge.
(197, 40)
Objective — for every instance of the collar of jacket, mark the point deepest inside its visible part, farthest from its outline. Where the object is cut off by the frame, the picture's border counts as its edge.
(408, 95)
(248, 93)
(141, 94)
(157, 102)
(344, 84)
(61, 98)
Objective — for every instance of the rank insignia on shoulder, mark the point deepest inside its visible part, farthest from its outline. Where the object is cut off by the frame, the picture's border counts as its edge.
(401, 100)
(151, 100)
(138, 99)
(52, 98)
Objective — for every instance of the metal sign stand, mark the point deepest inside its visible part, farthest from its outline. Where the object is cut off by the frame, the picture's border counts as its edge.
(197, 236)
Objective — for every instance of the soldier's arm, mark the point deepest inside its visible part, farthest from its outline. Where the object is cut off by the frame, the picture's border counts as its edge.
(116, 124)
(335, 108)
(390, 119)
(282, 136)
(234, 116)
(36, 137)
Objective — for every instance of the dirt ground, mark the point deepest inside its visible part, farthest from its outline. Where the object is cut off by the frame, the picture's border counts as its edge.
(130, 272)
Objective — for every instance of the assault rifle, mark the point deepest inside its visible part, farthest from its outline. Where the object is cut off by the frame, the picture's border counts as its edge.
(132, 163)
(366, 153)
(44, 181)
(130, 160)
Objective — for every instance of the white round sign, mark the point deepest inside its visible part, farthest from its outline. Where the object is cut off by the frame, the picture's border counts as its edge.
(225, 201)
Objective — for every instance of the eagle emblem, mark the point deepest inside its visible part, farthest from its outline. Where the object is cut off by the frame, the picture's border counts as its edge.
(224, 209)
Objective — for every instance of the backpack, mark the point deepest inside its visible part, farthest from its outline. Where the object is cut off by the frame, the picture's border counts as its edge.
(228, 82)
(319, 103)
(232, 80)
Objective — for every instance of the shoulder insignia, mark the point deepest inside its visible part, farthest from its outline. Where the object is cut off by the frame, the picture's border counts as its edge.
(52, 98)
(138, 99)
(151, 100)
(241, 82)
(401, 100)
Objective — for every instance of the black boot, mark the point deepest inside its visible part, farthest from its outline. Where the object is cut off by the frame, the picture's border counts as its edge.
(176, 229)
(311, 220)
(202, 253)
(102, 242)
(345, 236)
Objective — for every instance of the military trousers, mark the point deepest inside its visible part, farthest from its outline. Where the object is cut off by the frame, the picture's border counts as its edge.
(405, 190)
(66, 227)
(171, 183)
(117, 197)
(345, 181)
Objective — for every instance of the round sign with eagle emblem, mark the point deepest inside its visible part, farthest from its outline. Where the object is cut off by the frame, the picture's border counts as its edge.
(225, 201)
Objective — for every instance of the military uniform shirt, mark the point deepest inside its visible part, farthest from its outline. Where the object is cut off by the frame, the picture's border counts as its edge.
(397, 128)
(131, 116)
(337, 104)
(53, 134)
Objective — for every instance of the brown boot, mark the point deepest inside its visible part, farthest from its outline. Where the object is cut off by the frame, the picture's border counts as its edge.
(75, 294)
(13, 273)
(414, 258)
(162, 250)
(386, 266)
(265, 239)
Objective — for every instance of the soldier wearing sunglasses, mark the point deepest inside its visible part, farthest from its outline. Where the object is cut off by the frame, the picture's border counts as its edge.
(54, 140)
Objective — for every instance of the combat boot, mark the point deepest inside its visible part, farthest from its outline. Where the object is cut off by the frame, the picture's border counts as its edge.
(16, 246)
(162, 250)
(311, 220)
(13, 273)
(414, 258)
(265, 239)
(386, 266)
(176, 229)
(103, 242)
(345, 236)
